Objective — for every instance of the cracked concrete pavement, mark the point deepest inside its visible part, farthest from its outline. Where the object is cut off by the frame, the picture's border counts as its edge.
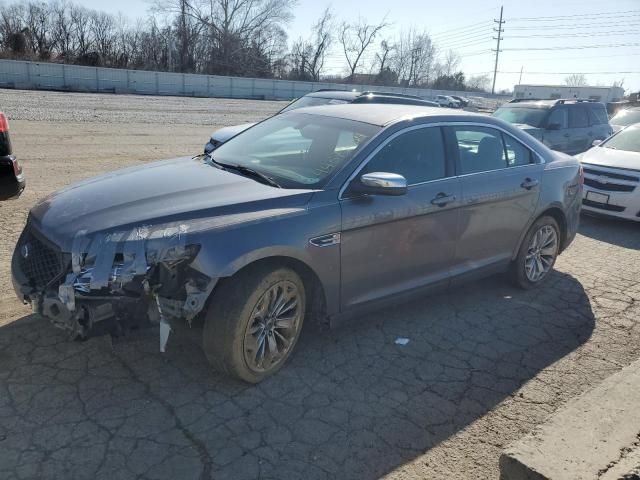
(484, 365)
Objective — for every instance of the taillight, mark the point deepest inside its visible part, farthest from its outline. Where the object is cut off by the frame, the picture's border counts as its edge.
(5, 141)
(4, 123)
(581, 175)
(17, 169)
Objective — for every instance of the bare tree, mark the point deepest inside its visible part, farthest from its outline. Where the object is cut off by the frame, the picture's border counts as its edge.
(414, 58)
(576, 80)
(450, 63)
(479, 83)
(355, 39)
(233, 28)
(308, 56)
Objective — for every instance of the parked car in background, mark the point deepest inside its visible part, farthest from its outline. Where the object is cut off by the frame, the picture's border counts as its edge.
(568, 126)
(12, 181)
(382, 202)
(612, 175)
(322, 97)
(463, 101)
(625, 117)
(447, 101)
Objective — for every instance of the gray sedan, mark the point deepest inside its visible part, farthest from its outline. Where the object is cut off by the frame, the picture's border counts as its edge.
(324, 211)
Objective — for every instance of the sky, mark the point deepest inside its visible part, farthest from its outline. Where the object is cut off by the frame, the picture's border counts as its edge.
(547, 49)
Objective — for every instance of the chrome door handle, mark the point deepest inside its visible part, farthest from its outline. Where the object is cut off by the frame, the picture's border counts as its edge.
(529, 183)
(442, 199)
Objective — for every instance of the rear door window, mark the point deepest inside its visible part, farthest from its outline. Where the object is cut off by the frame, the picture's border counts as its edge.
(517, 154)
(480, 149)
(578, 117)
(560, 117)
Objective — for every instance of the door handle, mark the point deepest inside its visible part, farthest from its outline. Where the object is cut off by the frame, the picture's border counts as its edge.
(442, 199)
(566, 135)
(529, 183)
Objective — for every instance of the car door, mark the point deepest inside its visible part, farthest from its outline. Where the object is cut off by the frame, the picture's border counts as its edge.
(579, 129)
(391, 244)
(500, 179)
(557, 135)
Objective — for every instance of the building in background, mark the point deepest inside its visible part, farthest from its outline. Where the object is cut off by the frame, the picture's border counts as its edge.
(544, 92)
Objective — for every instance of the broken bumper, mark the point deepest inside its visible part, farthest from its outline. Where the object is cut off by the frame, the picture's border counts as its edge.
(112, 282)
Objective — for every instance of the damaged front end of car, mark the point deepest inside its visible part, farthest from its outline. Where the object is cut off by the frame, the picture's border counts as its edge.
(113, 282)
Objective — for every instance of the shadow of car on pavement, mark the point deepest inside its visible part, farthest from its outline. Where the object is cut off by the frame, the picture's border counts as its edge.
(350, 404)
(623, 233)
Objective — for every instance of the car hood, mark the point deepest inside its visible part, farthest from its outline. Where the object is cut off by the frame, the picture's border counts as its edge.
(617, 128)
(608, 157)
(224, 134)
(175, 190)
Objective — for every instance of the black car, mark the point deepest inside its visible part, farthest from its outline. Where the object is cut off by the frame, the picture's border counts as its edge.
(12, 180)
(323, 97)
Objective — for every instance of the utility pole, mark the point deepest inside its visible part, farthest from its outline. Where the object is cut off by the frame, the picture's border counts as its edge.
(520, 80)
(497, 50)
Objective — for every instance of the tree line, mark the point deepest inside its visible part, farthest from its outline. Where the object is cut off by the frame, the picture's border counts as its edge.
(229, 37)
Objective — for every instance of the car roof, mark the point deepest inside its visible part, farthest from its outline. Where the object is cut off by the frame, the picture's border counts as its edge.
(383, 114)
(337, 94)
(351, 95)
(548, 103)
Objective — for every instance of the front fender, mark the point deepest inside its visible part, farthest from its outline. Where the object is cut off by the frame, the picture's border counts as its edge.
(223, 253)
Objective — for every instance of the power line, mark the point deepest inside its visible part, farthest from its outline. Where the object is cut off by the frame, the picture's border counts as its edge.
(466, 27)
(582, 15)
(578, 35)
(482, 27)
(577, 47)
(573, 26)
(546, 59)
(578, 73)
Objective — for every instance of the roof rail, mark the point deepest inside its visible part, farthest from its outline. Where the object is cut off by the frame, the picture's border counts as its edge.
(562, 101)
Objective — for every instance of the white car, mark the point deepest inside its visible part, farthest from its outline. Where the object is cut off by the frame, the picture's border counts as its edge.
(447, 101)
(624, 118)
(612, 175)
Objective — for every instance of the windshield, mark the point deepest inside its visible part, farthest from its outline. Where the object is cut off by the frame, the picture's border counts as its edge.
(626, 117)
(297, 150)
(311, 102)
(627, 139)
(528, 116)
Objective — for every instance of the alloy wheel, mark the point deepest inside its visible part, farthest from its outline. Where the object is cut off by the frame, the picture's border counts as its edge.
(542, 251)
(273, 327)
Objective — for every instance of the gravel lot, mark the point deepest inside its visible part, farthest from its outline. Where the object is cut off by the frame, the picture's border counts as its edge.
(484, 365)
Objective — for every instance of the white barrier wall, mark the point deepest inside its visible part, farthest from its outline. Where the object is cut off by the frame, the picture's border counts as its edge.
(55, 76)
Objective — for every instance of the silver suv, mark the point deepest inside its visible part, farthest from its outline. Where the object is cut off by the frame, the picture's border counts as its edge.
(568, 126)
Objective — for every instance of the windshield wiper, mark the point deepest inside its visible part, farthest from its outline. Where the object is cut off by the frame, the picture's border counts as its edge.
(248, 172)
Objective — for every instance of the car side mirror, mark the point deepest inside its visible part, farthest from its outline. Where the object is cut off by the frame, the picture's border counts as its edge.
(596, 142)
(380, 183)
(553, 126)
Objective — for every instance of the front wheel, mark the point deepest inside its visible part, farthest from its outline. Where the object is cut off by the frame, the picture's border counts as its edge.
(537, 254)
(254, 322)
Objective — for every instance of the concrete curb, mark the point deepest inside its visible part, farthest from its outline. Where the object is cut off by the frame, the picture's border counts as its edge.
(591, 435)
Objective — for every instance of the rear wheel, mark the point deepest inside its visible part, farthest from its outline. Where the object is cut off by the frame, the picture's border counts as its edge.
(254, 322)
(537, 254)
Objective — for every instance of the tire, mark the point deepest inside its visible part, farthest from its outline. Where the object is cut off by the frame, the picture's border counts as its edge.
(238, 317)
(521, 271)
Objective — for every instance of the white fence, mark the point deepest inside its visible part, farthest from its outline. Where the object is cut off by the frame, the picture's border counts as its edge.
(75, 78)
